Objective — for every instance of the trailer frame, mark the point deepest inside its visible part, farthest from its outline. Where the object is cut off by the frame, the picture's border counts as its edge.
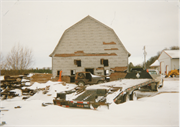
(122, 94)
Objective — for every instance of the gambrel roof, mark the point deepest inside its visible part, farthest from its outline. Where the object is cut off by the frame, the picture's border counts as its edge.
(88, 18)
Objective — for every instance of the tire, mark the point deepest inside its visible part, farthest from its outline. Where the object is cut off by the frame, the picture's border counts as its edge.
(99, 82)
(156, 88)
(162, 83)
(94, 106)
(126, 97)
(120, 100)
(81, 83)
(133, 96)
(172, 76)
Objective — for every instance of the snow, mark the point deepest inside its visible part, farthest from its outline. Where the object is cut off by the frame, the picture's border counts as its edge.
(30, 75)
(170, 85)
(17, 91)
(155, 111)
(124, 83)
(38, 86)
(1, 78)
(24, 80)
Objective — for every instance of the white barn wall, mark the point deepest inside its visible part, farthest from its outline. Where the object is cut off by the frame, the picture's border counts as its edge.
(67, 64)
(164, 60)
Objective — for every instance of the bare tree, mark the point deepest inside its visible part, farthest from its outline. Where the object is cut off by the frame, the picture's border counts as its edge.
(2, 64)
(19, 58)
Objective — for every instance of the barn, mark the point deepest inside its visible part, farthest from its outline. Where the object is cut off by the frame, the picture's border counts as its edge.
(169, 60)
(92, 46)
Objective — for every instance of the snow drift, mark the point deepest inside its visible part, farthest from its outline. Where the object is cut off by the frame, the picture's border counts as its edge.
(160, 110)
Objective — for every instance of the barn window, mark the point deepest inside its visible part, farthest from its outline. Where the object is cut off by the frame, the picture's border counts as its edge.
(73, 72)
(104, 62)
(58, 72)
(77, 62)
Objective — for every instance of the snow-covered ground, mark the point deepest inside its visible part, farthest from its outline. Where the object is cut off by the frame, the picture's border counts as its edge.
(159, 110)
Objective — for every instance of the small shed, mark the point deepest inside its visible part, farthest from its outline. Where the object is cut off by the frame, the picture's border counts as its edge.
(169, 60)
(155, 65)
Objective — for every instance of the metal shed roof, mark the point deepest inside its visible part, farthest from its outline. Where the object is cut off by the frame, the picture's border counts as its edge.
(172, 53)
(156, 63)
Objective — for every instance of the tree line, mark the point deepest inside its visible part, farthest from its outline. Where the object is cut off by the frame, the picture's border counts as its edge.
(20, 59)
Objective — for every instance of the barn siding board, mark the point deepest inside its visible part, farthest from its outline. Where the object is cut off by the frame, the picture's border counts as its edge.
(89, 39)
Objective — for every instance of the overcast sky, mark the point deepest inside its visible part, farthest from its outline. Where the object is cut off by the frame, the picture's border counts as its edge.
(40, 24)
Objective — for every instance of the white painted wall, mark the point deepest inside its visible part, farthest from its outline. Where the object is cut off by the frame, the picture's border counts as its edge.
(167, 63)
(175, 64)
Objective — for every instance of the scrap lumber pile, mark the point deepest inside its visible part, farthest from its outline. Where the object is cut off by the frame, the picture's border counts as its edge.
(12, 83)
(41, 78)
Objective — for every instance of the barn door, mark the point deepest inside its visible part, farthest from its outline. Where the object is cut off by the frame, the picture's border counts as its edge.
(72, 77)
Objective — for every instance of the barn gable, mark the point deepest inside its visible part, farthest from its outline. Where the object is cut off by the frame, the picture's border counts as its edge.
(87, 33)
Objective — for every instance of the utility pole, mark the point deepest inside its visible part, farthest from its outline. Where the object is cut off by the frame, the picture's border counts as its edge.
(145, 53)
